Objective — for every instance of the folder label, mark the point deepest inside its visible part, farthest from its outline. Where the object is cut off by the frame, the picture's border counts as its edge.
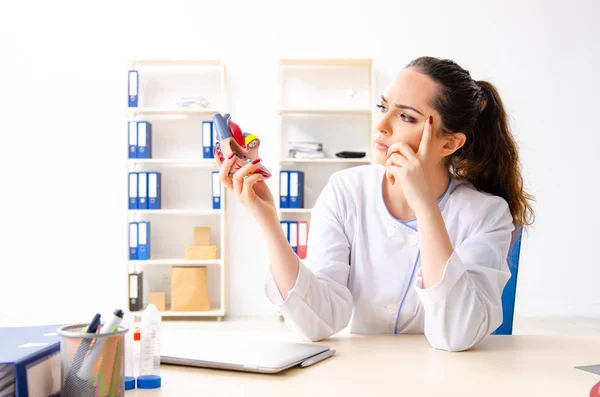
(302, 238)
(294, 236)
(133, 191)
(142, 190)
(133, 241)
(207, 140)
(283, 189)
(133, 286)
(133, 89)
(285, 227)
(296, 186)
(154, 191)
(144, 140)
(144, 240)
(133, 138)
(216, 190)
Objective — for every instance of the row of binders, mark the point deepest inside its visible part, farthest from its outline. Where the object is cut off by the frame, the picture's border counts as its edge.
(139, 241)
(296, 233)
(144, 191)
(140, 140)
(291, 189)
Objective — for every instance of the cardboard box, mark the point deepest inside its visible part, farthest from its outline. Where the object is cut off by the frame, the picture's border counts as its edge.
(159, 299)
(202, 236)
(201, 252)
(189, 289)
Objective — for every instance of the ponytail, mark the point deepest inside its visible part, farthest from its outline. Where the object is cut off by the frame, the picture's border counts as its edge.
(489, 158)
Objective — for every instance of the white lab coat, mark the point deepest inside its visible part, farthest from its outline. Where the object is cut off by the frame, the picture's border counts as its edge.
(360, 260)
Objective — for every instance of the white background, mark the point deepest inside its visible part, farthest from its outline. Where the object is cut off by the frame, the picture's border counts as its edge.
(62, 125)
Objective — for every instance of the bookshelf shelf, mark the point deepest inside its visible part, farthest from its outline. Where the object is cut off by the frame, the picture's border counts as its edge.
(161, 84)
(295, 210)
(217, 313)
(326, 160)
(177, 262)
(301, 111)
(182, 110)
(178, 212)
(209, 163)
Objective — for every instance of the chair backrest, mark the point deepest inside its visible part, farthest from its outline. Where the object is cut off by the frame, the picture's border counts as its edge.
(510, 290)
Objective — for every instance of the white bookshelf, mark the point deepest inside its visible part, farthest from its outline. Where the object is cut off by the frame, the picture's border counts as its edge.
(295, 210)
(349, 85)
(186, 212)
(177, 262)
(326, 160)
(332, 111)
(206, 78)
(174, 110)
(210, 163)
(217, 313)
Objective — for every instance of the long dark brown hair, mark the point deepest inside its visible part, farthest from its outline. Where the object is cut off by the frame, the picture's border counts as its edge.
(489, 159)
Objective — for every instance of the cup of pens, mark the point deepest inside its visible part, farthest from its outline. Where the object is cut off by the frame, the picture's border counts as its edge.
(92, 363)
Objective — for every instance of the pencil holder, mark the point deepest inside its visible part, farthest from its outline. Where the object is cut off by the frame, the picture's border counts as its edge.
(92, 364)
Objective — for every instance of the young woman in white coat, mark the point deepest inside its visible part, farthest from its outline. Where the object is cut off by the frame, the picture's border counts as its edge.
(417, 243)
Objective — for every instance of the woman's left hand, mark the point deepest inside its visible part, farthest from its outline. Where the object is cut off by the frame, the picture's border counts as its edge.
(408, 169)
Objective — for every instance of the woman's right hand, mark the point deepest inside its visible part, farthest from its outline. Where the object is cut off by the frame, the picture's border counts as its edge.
(249, 189)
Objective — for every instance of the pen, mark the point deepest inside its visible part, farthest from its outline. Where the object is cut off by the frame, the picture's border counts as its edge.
(71, 383)
(317, 358)
(113, 322)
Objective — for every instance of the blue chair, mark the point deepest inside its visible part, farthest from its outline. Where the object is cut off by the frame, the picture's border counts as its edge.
(510, 290)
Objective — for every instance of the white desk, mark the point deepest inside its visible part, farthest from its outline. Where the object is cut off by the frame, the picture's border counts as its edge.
(405, 365)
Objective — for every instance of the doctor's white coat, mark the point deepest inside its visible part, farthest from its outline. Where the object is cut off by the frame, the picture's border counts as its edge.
(363, 271)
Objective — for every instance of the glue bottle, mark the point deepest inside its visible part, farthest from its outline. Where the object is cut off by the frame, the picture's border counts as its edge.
(150, 349)
(129, 355)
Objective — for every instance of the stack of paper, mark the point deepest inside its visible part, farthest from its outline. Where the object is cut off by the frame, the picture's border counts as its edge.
(7, 380)
(306, 150)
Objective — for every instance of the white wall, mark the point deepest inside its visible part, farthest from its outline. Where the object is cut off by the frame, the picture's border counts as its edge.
(62, 101)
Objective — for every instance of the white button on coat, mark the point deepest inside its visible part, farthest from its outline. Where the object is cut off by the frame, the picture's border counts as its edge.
(392, 309)
(413, 240)
(391, 230)
(353, 269)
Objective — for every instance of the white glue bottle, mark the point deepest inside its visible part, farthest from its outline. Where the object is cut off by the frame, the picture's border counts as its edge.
(150, 349)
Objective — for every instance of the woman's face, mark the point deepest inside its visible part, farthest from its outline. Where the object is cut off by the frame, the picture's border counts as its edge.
(404, 111)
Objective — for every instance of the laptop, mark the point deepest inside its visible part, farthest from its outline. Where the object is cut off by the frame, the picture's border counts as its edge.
(250, 356)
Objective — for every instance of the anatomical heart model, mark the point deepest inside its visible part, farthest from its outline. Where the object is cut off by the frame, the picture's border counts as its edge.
(230, 139)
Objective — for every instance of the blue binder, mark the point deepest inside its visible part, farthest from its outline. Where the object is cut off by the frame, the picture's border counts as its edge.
(285, 227)
(143, 241)
(133, 241)
(133, 190)
(142, 190)
(216, 191)
(154, 201)
(284, 189)
(207, 140)
(32, 351)
(294, 235)
(144, 140)
(133, 139)
(133, 84)
(296, 195)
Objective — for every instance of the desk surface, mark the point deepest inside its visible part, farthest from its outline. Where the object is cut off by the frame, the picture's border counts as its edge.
(406, 365)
